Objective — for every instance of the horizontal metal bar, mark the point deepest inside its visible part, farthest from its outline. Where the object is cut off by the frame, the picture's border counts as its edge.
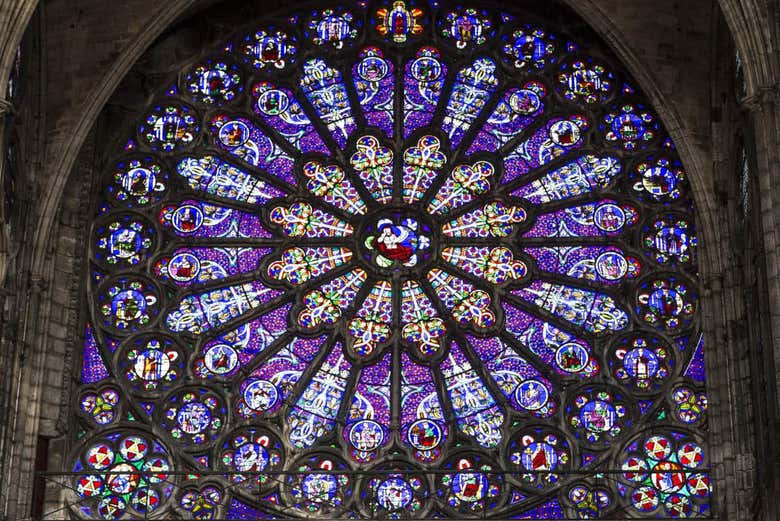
(318, 518)
(350, 472)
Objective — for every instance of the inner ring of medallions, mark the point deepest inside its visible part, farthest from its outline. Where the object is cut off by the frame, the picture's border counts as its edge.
(397, 240)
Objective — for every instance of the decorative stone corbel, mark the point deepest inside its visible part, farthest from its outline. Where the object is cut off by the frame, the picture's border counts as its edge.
(758, 100)
(6, 106)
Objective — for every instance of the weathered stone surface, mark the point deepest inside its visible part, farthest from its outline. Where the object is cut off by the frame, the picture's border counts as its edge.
(92, 63)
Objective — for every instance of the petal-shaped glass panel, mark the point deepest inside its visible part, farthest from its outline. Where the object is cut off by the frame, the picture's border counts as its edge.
(314, 412)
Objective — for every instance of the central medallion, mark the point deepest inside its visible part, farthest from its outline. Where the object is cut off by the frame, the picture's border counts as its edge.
(396, 240)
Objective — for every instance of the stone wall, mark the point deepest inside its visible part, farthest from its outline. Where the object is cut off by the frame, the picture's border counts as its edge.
(99, 61)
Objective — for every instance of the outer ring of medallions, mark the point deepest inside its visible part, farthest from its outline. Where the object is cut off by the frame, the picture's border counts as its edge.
(267, 428)
(478, 461)
(538, 431)
(178, 393)
(99, 293)
(395, 213)
(655, 339)
(306, 458)
(619, 395)
(643, 283)
(129, 343)
(645, 227)
(408, 468)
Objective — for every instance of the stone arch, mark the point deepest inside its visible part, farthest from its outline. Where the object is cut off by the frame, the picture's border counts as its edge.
(65, 151)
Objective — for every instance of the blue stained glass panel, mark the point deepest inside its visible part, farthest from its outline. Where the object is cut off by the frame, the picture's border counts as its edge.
(596, 312)
(423, 424)
(558, 349)
(188, 266)
(230, 351)
(475, 408)
(603, 264)
(605, 218)
(204, 311)
(314, 413)
(584, 175)
(368, 420)
(324, 88)
(523, 385)
(267, 388)
(472, 89)
(211, 175)
(558, 137)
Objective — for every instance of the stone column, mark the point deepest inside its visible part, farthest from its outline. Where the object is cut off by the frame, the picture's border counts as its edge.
(5, 108)
(763, 350)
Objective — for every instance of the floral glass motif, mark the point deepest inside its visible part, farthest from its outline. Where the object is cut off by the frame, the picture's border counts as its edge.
(589, 502)
(662, 474)
(689, 404)
(100, 406)
(202, 504)
(393, 259)
(123, 474)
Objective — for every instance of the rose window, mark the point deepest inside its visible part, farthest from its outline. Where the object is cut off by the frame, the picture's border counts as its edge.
(444, 243)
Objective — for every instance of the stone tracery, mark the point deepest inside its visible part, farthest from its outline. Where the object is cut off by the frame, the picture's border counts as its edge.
(508, 272)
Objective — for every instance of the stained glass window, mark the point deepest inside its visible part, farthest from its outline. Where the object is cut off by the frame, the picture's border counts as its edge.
(394, 260)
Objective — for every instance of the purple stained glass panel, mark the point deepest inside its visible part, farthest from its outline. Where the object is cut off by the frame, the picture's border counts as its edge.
(517, 110)
(558, 137)
(93, 368)
(423, 83)
(374, 78)
(282, 112)
(242, 138)
(198, 219)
